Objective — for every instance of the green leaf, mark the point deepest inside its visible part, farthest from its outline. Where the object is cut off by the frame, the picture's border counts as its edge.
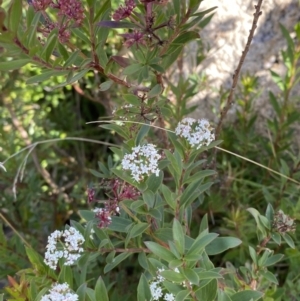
(154, 182)
(194, 5)
(100, 290)
(66, 275)
(270, 213)
(186, 37)
(182, 295)
(142, 133)
(63, 51)
(199, 175)
(273, 259)
(172, 276)
(119, 224)
(32, 290)
(31, 39)
(178, 236)
(200, 243)
(45, 75)
(191, 276)
(193, 191)
(171, 56)
(168, 196)
(288, 240)
(247, 295)
(138, 229)
(117, 260)
(12, 65)
(287, 36)
(209, 275)
(157, 68)
(221, 244)
(155, 91)
(88, 215)
(77, 76)
(50, 44)
(270, 276)
(149, 198)
(278, 80)
(81, 292)
(253, 255)
(132, 99)
(175, 160)
(160, 251)
(35, 259)
(81, 35)
(41, 294)
(274, 103)
(143, 290)
(222, 296)
(276, 237)
(72, 58)
(131, 69)
(116, 128)
(197, 18)
(204, 224)
(209, 291)
(14, 15)
(105, 85)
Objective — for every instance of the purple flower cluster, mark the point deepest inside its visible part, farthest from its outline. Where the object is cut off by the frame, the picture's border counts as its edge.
(69, 13)
(135, 37)
(124, 11)
(116, 191)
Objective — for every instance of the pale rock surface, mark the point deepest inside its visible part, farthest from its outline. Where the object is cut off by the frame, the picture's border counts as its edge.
(226, 35)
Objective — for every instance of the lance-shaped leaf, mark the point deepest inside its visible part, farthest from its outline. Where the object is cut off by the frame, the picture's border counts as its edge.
(14, 15)
(160, 251)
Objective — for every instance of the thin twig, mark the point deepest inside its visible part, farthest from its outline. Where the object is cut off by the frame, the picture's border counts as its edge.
(235, 77)
(15, 231)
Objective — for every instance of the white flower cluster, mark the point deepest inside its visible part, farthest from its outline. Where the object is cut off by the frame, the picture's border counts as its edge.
(143, 161)
(197, 132)
(60, 292)
(157, 290)
(71, 248)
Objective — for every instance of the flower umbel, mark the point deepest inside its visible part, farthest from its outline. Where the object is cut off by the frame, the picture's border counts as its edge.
(60, 292)
(283, 223)
(197, 132)
(71, 248)
(142, 162)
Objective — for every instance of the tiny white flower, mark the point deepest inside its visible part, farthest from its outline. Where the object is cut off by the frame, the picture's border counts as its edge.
(197, 132)
(60, 292)
(156, 290)
(142, 162)
(71, 248)
(169, 297)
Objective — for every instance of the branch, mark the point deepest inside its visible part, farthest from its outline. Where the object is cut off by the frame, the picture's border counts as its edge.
(235, 77)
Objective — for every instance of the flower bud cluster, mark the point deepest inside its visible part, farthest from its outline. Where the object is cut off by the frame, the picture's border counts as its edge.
(283, 223)
(116, 191)
(124, 11)
(197, 132)
(143, 161)
(60, 292)
(70, 13)
(70, 251)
